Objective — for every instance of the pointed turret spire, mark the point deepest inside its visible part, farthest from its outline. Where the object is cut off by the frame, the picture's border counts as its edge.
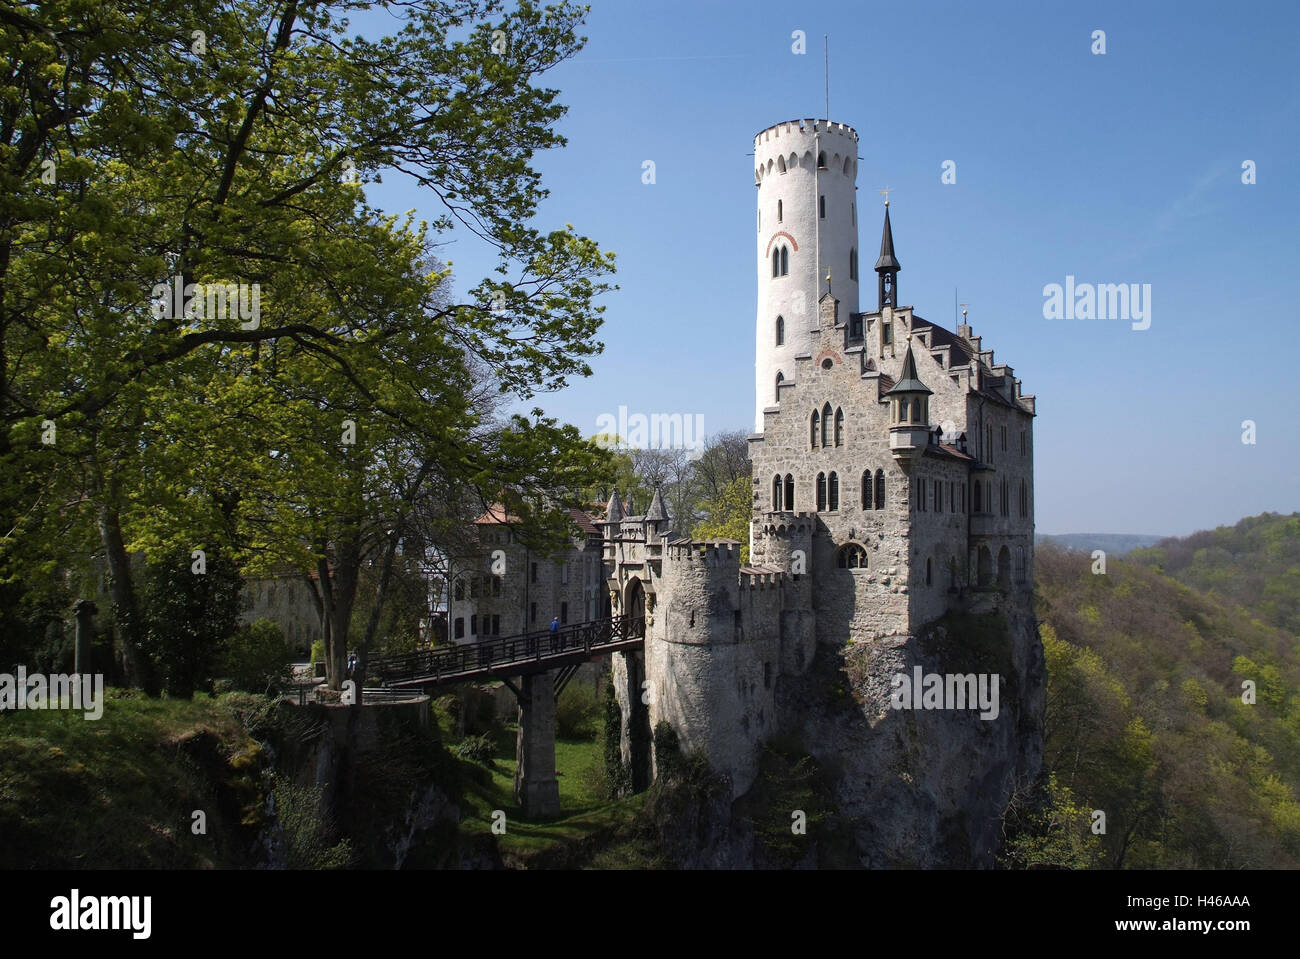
(887, 266)
(657, 510)
(614, 509)
(908, 381)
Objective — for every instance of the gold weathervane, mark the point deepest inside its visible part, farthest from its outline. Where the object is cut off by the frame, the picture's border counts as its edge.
(886, 191)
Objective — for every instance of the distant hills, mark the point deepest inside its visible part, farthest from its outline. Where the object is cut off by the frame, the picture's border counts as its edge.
(1114, 544)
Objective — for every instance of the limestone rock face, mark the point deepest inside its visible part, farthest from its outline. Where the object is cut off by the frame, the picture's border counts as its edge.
(925, 788)
(903, 788)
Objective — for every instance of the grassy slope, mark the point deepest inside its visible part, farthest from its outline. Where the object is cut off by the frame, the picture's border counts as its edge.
(120, 791)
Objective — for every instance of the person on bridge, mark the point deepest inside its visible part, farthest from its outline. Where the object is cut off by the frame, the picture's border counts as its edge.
(555, 634)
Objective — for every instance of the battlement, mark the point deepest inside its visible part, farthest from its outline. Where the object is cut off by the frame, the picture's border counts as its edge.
(761, 577)
(803, 128)
(713, 552)
(795, 145)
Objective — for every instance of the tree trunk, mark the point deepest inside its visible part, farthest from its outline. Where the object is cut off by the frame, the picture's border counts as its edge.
(139, 671)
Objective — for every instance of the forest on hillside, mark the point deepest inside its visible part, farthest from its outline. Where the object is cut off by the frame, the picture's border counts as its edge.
(1172, 705)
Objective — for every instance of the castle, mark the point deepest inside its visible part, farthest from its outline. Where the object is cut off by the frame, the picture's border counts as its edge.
(892, 483)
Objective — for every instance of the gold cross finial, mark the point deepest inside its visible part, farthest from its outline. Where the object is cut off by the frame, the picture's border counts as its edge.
(886, 191)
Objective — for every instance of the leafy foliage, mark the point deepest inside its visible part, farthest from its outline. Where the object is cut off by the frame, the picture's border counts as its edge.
(1146, 718)
(189, 617)
(256, 658)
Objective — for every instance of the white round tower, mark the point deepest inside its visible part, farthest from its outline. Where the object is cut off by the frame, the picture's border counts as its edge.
(805, 171)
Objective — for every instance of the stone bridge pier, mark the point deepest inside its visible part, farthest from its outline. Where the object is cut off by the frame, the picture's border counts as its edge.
(536, 788)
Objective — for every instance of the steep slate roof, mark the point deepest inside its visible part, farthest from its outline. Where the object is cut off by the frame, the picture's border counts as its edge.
(909, 383)
(657, 510)
(887, 261)
(497, 516)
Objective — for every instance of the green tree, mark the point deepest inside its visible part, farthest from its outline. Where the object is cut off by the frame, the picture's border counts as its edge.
(728, 515)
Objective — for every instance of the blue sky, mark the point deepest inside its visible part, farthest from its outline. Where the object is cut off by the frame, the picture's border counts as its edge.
(1117, 168)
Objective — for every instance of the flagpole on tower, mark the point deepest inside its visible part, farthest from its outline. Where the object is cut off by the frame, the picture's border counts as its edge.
(826, 56)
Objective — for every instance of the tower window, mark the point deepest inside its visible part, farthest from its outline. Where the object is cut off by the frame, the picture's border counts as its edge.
(833, 494)
(816, 427)
(821, 207)
(1023, 443)
(785, 261)
(880, 489)
(776, 262)
(1024, 500)
(975, 501)
(938, 496)
(780, 378)
(866, 490)
(826, 425)
(929, 571)
(821, 492)
(821, 161)
(853, 263)
(789, 492)
(851, 556)
(887, 333)
(460, 628)
(780, 331)
(776, 492)
(780, 164)
(473, 625)
(839, 427)
(902, 409)
(780, 210)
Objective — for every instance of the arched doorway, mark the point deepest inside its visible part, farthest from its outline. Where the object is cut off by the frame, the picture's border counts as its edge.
(634, 599)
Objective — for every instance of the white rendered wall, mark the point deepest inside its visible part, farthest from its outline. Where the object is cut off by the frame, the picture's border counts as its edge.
(815, 244)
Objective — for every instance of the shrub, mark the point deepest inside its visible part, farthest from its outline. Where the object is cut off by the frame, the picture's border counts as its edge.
(578, 712)
(307, 828)
(477, 749)
(318, 652)
(256, 659)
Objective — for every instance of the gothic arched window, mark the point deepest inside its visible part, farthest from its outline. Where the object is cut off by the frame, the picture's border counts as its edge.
(866, 490)
(776, 492)
(780, 165)
(851, 556)
(776, 262)
(975, 503)
(789, 492)
(816, 427)
(839, 427)
(821, 161)
(833, 492)
(780, 331)
(821, 492)
(826, 425)
(880, 489)
(785, 261)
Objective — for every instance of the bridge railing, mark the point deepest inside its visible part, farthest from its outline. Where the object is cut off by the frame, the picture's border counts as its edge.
(508, 650)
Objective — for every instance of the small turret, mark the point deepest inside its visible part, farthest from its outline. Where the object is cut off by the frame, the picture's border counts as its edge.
(657, 516)
(613, 513)
(909, 413)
